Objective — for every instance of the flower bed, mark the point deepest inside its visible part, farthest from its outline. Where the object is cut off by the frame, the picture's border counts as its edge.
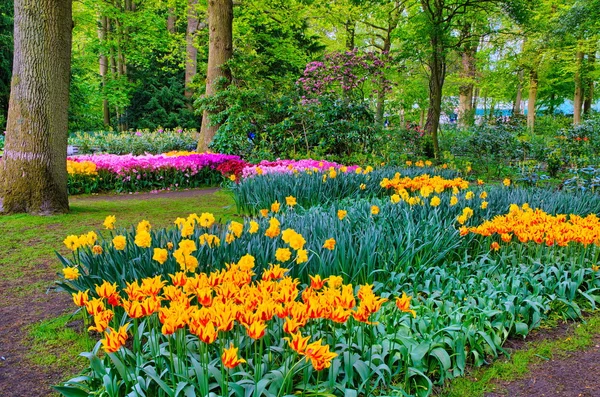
(128, 173)
(301, 298)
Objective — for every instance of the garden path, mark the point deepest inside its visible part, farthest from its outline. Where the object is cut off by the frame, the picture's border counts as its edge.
(572, 375)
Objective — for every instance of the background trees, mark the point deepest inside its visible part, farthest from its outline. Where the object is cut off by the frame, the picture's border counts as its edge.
(145, 64)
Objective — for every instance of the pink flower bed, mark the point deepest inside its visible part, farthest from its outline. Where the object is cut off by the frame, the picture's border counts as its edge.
(125, 164)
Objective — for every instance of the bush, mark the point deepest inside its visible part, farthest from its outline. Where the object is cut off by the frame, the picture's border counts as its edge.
(135, 142)
(490, 149)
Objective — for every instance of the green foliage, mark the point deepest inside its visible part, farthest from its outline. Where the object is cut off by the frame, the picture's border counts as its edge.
(259, 126)
(160, 100)
(489, 148)
(134, 142)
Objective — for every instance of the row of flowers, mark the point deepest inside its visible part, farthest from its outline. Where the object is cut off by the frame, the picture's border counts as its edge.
(265, 306)
(177, 170)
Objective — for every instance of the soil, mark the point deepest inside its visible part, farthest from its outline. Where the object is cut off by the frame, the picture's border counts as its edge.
(18, 377)
(572, 375)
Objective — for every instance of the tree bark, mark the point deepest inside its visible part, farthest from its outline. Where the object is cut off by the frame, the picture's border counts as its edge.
(533, 87)
(34, 174)
(102, 32)
(350, 26)
(519, 97)
(393, 20)
(171, 19)
(220, 49)
(578, 97)
(437, 70)
(191, 49)
(380, 106)
(589, 90)
(467, 74)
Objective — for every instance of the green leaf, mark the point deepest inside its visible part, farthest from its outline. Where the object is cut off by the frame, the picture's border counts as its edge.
(69, 391)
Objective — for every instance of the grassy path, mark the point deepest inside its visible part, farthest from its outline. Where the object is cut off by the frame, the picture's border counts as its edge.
(36, 350)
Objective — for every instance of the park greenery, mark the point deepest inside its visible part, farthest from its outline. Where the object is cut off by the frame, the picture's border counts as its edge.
(403, 186)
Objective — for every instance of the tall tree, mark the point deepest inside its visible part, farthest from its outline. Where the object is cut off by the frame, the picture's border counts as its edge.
(440, 23)
(34, 174)
(191, 49)
(384, 24)
(220, 25)
(6, 55)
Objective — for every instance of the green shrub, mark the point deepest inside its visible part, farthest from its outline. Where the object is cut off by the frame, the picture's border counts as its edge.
(135, 142)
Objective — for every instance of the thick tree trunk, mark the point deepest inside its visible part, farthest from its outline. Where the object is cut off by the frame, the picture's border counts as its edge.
(589, 89)
(191, 49)
(578, 97)
(220, 21)
(34, 173)
(533, 87)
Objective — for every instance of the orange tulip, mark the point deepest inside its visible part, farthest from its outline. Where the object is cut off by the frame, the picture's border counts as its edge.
(256, 330)
(230, 358)
(403, 304)
(298, 343)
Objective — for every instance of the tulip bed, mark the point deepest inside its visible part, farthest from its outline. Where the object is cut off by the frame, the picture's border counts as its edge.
(172, 170)
(343, 282)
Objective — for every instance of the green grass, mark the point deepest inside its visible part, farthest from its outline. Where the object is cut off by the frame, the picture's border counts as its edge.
(54, 343)
(30, 241)
(484, 380)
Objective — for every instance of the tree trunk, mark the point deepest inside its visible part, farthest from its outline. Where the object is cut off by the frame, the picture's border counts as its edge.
(380, 106)
(519, 97)
(533, 87)
(437, 66)
(350, 26)
(191, 49)
(467, 74)
(578, 97)
(102, 31)
(475, 101)
(220, 49)
(171, 19)
(34, 173)
(589, 91)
